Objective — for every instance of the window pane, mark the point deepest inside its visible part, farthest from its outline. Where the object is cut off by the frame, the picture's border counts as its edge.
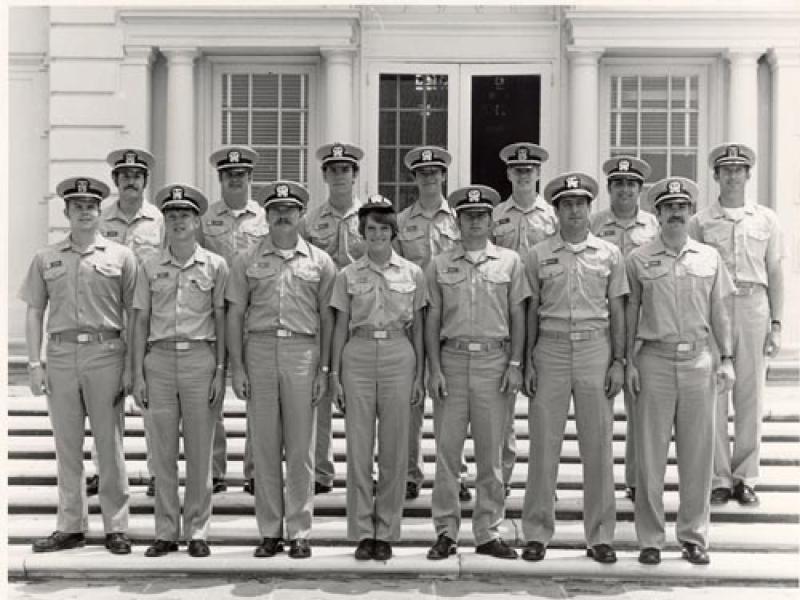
(629, 129)
(693, 129)
(678, 92)
(267, 165)
(265, 128)
(436, 129)
(630, 92)
(291, 91)
(684, 165)
(290, 164)
(654, 129)
(291, 128)
(387, 128)
(240, 91)
(239, 122)
(388, 91)
(678, 129)
(410, 91)
(265, 91)
(411, 128)
(406, 196)
(654, 92)
(658, 161)
(387, 165)
(436, 92)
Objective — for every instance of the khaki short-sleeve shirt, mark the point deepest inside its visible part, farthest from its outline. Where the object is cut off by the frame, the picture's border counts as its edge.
(334, 233)
(625, 234)
(143, 232)
(518, 229)
(420, 237)
(227, 234)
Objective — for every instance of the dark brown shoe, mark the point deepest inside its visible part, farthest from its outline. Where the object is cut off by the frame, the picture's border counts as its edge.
(366, 549)
(218, 485)
(720, 496)
(269, 547)
(412, 490)
(745, 495)
(497, 548)
(602, 553)
(650, 556)
(299, 548)
(151, 487)
(534, 551)
(321, 488)
(58, 540)
(463, 492)
(695, 554)
(118, 543)
(161, 548)
(198, 548)
(383, 550)
(92, 485)
(444, 547)
(630, 493)
(249, 486)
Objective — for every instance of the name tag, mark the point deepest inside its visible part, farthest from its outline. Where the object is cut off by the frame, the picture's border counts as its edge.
(452, 270)
(112, 233)
(550, 261)
(216, 223)
(323, 225)
(653, 263)
(411, 228)
(55, 263)
(607, 233)
(162, 275)
(504, 221)
(263, 264)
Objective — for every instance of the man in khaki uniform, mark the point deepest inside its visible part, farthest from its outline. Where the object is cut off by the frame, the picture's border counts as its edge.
(520, 222)
(139, 225)
(474, 339)
(576, 349)
(677, 301)
(179, 366)
(280, 363)
(626, 226)
(333, 227)
(87, 282)
(234, 224)
(748, 237)
(425, 229)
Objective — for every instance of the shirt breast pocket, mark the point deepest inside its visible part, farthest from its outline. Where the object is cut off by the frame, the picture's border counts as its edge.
(264, 284)
(218, 238)
(323, 237)
(504, 234)
(551, 277)
(700, 276)
(358, 288)
(401, 297)
(596, 278)
(413, 242)
(56, 281)
(757, 240)
(308, 278)
(718, 237)
(106, 279)
(199, 293)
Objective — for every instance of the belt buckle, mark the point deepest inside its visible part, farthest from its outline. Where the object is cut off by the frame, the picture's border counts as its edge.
(683, 347)
(283, 333)
(577, 336)
(380, 334)
(182, 345)
(474, 347)
(84, 338)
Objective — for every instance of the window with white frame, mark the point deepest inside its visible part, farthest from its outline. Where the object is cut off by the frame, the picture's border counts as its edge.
(268, 111)
(657, 117)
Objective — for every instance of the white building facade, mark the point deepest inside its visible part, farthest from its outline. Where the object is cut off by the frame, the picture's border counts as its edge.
(584, 82)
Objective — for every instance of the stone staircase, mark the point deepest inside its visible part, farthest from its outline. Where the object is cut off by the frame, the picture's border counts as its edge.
(749, 545)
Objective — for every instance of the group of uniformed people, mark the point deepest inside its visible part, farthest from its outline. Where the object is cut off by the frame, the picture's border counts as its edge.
(466, 299)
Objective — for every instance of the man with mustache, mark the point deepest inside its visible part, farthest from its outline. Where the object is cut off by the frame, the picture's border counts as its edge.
(626, 226)
(280, 362)
(140, 226)
(86, 283)
(677, 301)
(576, 351)
(333, 227)
(748, 237)
(519, 223)
(232, 225)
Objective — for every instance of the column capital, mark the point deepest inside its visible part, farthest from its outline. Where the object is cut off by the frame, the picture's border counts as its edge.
(783, 56)
(139, 55)
(744, 56)
(180, 55)
(584, 56)
(338, 54)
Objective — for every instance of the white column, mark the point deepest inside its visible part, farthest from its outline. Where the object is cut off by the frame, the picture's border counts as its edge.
(785, 64)
(180, 155)
(584, 97)
(743, 103)
(339, 101)
(135, 86)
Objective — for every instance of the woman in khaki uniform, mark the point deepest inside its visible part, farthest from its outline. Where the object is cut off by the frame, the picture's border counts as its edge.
(379, 301)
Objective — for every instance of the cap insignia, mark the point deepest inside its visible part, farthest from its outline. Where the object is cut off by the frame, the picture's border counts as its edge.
(733, 151)
(130, 158)
(624, 165)
(82, 185)
(282, 190)
(234, 156)
(427, 155)
(337, 151)
(474, 196)
(177, 193)
(522, 154)
(573, 182)
(674, 187)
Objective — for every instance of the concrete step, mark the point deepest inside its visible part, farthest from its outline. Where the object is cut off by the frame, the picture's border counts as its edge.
(570, 475)
(41, 447)
(331, 561)
(775, 507)
(235, 427)
(241, 530)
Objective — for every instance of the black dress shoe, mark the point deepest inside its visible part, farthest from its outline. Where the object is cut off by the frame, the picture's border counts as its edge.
(463, 492)
(650, 556)
(161, 548)
(198, 548)
(412, 490)
(497, 548)
(92, 485)
(534, 551)
(299, 548)
(151, 487)
(218, 485)
(249, 486)
(444, 547)
(118, 543)
(507, 489)
(720, 496)
(321, 488)
(366, 549)
(269, 547)
(58, 540)
(383, 550)
(630, 493)
(602, 553)
(745, 495)
(695, 554)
